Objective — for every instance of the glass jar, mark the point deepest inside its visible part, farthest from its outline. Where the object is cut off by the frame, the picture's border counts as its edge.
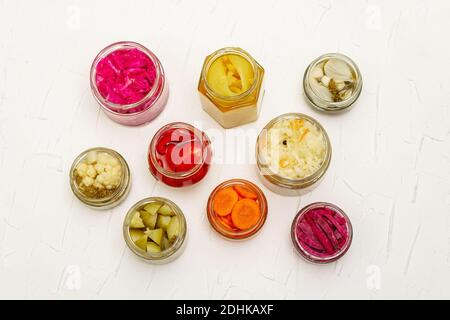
(126, 105)
(173, 247)
(236, 100)
(100, 178)
(334, 220)
(224, 222)
(179, 155)
(293, 153)
(332, 82)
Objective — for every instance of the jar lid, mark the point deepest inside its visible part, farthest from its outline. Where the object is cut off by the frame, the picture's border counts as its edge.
(332, 82)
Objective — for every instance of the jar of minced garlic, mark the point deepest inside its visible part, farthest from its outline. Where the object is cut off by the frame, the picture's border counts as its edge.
(293, 153)
(231, 87)
(100, 178)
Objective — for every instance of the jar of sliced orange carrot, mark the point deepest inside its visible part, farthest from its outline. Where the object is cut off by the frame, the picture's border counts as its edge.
(237, 209)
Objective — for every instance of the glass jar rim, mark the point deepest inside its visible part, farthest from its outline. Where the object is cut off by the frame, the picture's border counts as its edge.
(306, 181)
(243, 234)
(330, 105)
(310, 257)
(174, 248)
(178, 125)
(231, 51)
(117, 195)
(113, 107)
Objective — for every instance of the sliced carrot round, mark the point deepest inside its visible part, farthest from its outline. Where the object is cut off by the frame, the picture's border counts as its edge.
(245, 214)
(224, 201)
(227, 222)
(245, 192)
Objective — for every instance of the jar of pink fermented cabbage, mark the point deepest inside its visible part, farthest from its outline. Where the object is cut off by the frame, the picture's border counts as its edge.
(129, 83)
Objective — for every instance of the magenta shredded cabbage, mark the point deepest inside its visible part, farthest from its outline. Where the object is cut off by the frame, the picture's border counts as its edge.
(125, 76)
(322, 232)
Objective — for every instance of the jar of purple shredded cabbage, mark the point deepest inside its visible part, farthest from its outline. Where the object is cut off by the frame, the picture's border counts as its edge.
(129, 83)
(322, 233)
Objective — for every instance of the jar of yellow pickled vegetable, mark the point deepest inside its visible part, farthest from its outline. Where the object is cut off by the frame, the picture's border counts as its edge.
(231, 87)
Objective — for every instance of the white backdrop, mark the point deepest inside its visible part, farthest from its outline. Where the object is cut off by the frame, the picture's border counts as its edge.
(390, 169)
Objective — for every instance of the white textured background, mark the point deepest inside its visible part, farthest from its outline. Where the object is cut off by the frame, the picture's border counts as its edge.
(390, 171)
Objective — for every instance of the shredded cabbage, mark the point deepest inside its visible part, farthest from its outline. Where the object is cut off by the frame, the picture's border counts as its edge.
(295, 149)
(125, 76)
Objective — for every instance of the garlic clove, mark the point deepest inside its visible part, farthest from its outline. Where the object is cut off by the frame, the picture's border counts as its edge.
(317, 72)
(338, 69)
(340, 84)
(321, 91)
(325, 81)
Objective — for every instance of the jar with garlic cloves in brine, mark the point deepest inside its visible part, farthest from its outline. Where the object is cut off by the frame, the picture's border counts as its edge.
(100, 178)
(231, 87)
(332, 82)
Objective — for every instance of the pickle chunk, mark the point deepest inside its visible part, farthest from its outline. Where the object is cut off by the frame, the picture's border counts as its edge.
(173, 230)
(136, 221)
(153, 248)
(149, 219)
(155, 235)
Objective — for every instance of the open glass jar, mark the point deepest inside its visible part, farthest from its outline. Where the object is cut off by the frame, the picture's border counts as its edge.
(155, 230)
(293, 153)
(237, 209)
(179, 155)
(321, 233)
(231, 87)
(100, 178)
(332, 82)
(129, 83)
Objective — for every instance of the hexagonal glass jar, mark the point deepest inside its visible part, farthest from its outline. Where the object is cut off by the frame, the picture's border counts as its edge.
(235, 110)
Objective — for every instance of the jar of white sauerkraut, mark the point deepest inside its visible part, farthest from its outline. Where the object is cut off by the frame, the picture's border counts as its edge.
(293, 153)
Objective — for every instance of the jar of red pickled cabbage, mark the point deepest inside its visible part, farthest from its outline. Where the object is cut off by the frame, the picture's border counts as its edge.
(322, 233)
(129, 83)
(179, 155)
